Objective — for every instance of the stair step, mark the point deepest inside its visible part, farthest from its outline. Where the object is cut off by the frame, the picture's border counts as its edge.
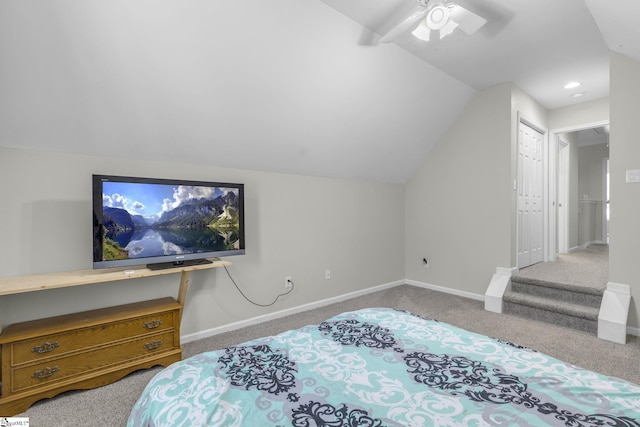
(552, 305)
(558, 285)
(570, 294)
(553, 317)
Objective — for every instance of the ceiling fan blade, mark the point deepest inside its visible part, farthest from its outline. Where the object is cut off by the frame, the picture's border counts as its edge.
(403, 26)
(468, 21)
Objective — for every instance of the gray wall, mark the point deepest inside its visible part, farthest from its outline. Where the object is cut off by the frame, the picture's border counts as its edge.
(458, 210)
(458, 201)
(295, 225)
(624, 153)
(461, 204)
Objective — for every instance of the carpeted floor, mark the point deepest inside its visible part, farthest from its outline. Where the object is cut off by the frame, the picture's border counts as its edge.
(110, 405)
(588, 267)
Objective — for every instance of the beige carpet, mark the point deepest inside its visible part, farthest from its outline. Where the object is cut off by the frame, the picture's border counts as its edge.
(110, 405)
(588, 267)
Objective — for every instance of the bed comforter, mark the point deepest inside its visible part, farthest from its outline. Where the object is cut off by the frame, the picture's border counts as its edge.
(382, 367)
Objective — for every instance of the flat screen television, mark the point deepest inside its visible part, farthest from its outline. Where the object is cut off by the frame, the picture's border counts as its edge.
(165, 223)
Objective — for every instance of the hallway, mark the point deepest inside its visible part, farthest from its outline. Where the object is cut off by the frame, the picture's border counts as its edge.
(588, 267)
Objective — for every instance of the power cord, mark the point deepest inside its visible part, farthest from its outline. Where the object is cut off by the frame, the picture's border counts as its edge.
(253, 302)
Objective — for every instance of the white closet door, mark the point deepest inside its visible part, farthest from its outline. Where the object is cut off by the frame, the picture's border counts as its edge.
(530, 187)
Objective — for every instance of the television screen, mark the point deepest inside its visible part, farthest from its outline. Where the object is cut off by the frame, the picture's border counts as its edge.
(165, 223)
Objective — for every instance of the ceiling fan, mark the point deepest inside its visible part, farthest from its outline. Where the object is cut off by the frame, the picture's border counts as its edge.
(437, 19)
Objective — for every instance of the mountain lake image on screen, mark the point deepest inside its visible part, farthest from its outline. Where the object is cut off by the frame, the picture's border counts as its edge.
(160, 221)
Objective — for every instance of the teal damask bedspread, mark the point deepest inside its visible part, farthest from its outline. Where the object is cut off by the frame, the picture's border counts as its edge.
(382, 367)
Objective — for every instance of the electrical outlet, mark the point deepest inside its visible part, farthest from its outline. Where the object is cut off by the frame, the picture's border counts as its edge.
(327, 274)
(288, 282)
(425, 262)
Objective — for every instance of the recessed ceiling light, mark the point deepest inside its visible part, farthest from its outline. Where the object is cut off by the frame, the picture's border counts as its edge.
(577, 95)
(572, 85)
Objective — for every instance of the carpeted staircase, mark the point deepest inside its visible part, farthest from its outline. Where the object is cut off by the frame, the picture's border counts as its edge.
(563, 304)
(565, 292)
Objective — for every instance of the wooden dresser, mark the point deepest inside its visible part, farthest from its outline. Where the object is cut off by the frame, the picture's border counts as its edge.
(45, 357)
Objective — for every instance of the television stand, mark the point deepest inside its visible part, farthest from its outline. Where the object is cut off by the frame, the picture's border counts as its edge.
(178, 264)
(43, 358)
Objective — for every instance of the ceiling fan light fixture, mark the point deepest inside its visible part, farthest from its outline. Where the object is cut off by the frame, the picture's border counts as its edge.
(438, 17)
(422, 31)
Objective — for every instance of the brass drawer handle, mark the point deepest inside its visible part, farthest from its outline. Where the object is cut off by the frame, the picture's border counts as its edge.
(45, 373)
(153, 345)
(152, 324)
(46, 347)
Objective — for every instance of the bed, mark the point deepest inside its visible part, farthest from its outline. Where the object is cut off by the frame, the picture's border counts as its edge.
(382, 367)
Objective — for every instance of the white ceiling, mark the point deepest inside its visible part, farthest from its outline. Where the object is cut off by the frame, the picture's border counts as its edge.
(593, 136)
(618, 24)
(539, 45)
(286, 85)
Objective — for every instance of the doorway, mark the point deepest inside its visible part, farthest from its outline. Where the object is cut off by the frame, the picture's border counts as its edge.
(582, 208)
(578, 177)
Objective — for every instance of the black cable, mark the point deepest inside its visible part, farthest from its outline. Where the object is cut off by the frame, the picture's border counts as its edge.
(255, 303)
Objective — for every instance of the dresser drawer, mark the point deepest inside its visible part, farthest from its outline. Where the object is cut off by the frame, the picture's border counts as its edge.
(62, 343)
(57, 369)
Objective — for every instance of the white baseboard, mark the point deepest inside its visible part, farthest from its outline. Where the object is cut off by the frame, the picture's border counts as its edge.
(584, 246)
(445, 290)
(282, 313)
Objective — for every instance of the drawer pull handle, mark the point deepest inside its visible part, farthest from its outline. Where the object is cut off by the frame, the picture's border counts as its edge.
(152, 324)
(153, 345)
(46, 347)
(45, 373)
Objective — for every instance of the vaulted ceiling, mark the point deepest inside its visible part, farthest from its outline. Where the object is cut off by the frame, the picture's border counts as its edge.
(539, 45)
(283, 86)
